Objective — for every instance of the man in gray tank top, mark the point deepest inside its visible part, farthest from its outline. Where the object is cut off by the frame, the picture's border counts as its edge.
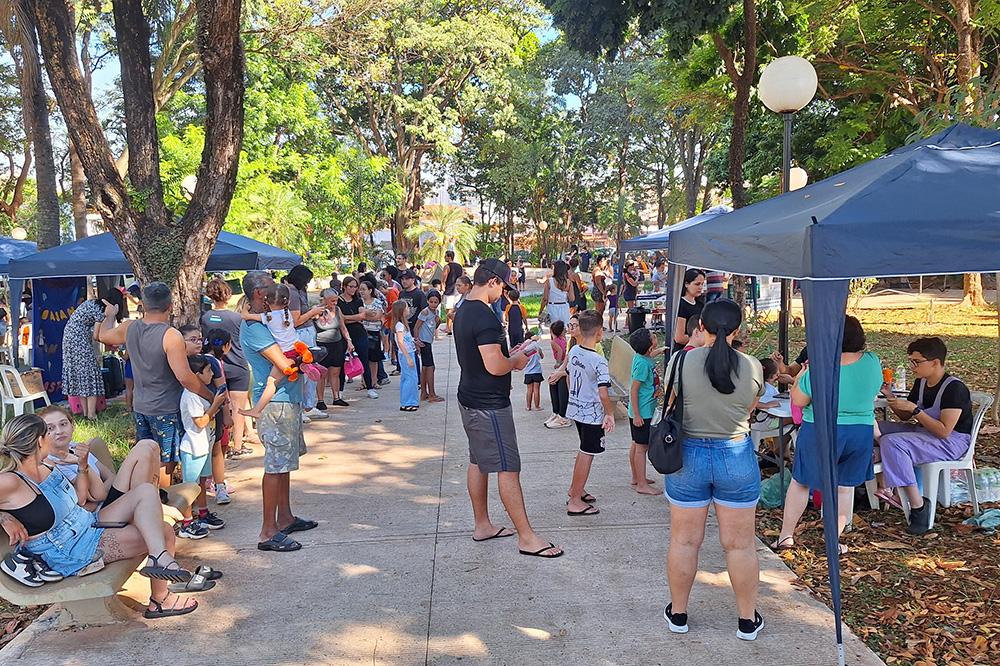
(160, 370)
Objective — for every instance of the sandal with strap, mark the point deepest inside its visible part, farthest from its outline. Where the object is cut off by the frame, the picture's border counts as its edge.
(173, 611)
(198, 583)
(783, 544)
(173, 573)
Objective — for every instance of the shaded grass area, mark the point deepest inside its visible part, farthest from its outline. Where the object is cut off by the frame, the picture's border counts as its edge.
(914, 600)
(114, 425)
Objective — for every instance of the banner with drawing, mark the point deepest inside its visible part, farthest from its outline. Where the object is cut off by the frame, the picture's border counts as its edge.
(53, 301)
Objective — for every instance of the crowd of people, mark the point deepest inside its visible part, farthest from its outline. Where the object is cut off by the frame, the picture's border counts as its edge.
(258, 371)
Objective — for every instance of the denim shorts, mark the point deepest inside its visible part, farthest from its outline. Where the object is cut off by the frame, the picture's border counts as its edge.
(723, 471)
(195, 467)
(164, 430)
(70, 545)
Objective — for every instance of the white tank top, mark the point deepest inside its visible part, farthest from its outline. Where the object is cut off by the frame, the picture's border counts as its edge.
(556, 295)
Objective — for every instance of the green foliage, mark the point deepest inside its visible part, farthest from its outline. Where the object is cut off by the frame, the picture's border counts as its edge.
(443, 228)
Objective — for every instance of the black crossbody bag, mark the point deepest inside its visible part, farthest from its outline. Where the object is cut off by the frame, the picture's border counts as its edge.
(667, 437)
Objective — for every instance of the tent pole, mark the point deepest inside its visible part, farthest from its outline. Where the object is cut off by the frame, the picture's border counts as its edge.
(786, 300)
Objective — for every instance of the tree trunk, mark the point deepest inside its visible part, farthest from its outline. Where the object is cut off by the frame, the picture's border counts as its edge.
(661, 210)
(36, 105)
(972, 290)
(411, 204)
(78, 181)
(158, 248)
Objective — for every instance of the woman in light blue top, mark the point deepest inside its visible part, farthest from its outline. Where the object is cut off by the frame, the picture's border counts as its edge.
(860, 381)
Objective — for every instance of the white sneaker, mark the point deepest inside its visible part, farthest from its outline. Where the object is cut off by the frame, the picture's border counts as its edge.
(315, 414)
(306, 419)
(222, 494)
(373, 394)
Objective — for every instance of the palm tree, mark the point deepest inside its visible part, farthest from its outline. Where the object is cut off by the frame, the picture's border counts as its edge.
(444, 228)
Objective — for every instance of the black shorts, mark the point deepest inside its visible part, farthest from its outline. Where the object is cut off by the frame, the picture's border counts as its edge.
(591, 438)
(375, 347)
(640, 434)
(335, 352)
(237, 377)
(533, 378)
(427, 355)
(492, 439)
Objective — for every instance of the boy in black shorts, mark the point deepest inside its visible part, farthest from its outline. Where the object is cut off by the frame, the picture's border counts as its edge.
(643, 394)
(589, 406)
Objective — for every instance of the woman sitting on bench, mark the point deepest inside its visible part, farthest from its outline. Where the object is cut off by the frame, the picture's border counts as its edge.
(141, 465)
(58, 528)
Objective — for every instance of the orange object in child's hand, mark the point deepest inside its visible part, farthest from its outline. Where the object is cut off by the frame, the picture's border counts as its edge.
(292, 373)
(303, 350)
(887, 375)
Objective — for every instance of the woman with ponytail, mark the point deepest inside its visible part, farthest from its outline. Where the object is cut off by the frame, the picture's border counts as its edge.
(721, 387)
(46, 513)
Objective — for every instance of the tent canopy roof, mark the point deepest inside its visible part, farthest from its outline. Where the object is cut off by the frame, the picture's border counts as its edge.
(925, 209)
(11, 248)
(100, 255)
(660, 239)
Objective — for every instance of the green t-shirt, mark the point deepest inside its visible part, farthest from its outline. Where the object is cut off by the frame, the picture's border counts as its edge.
(859, 385)
(644, 372)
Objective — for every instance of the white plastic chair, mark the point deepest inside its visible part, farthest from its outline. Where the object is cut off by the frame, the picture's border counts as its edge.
(931, 473)
(19, 397)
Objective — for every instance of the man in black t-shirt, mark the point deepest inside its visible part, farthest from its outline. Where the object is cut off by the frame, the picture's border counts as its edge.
(941, 407)
(484, 403)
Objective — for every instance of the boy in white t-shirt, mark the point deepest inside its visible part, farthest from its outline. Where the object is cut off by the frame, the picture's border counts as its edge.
(589, 406)
(198, 418)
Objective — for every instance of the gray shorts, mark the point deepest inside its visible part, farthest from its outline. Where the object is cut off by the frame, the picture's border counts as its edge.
(280, 430)
(492, 439)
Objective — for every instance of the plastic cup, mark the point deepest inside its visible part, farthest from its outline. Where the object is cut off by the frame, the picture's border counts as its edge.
(887, 375)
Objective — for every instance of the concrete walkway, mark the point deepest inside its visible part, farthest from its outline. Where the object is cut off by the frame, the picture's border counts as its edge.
(393, 577)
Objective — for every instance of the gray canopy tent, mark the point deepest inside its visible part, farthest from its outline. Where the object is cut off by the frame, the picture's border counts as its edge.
(930, 208)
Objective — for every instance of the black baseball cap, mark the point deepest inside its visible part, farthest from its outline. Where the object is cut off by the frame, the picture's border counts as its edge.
(407, 274)
(498, 269)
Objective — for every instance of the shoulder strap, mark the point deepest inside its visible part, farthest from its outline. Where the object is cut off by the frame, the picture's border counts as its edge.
(670, 382)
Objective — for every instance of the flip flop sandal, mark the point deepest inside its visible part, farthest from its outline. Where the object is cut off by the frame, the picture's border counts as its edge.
(538, 553)
(782, 544)
(279, 543)
(174, 573)
(169, 612)
(300, 525)
(198, 583)
(588, 498)
(889, 498)
(208, 572)
(498, 535)
(408, 409)
(591, 510)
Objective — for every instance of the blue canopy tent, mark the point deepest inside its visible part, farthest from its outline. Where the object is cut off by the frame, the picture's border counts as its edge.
(100, 255)
(11, 248)
(929, 208)
(660, 239)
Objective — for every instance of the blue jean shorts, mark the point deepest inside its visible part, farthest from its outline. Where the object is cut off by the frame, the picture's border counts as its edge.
(164, 430)
(70, 545)
(194, 468)
(723, 471)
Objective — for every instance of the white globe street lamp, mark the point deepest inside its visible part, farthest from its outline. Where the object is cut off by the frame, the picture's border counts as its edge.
(797, 178)
(543, 225)
(786, 86)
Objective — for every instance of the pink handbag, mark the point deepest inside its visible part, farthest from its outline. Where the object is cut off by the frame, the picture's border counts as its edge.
(352, 366)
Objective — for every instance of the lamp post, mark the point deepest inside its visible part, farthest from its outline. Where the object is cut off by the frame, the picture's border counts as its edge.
(542, 226)
(786, 86)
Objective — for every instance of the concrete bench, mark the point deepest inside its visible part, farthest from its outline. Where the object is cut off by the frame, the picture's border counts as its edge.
(88, 600)
(620, 369)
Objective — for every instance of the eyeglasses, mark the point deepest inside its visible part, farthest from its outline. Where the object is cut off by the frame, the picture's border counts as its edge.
(194, 341)
(915, 362)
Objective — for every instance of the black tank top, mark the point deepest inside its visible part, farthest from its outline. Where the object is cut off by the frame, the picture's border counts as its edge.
(37, 516)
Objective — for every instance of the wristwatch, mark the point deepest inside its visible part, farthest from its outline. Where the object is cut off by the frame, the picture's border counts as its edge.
(917, 410)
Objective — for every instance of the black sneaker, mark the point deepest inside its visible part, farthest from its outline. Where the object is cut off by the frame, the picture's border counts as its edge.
(920, 519)
(385, 381)
(677, 622)
(21, 568)
(321, 406)
(211, 521)
(340, 402)
(193, 530)
(748, 629)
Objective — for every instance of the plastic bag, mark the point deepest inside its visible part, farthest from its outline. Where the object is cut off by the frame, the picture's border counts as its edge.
(771, 492)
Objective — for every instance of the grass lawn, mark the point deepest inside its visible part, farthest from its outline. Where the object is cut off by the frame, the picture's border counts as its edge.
(114, 425)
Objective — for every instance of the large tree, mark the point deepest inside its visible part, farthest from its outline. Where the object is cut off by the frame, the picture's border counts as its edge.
(158, 244)
(401, 77)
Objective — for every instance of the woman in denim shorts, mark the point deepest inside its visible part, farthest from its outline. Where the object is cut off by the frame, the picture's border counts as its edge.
(721, 388)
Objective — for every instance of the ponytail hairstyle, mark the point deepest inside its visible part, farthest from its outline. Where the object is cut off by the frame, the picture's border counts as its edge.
(19, 440)
(721, 318)
(399, 313)
(216, 341)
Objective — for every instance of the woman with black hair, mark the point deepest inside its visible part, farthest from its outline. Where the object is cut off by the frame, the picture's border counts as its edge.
(298, 306)
(81, 371)
(691, 304)
(721, 387)
(557, 294)
(860, 382)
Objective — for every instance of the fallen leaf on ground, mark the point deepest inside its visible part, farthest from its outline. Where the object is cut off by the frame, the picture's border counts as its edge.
(891, 545)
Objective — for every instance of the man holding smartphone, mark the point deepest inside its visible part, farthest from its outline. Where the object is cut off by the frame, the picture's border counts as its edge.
(484, 402)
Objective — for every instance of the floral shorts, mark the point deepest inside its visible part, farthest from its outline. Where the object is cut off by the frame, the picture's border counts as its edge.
(280, 430)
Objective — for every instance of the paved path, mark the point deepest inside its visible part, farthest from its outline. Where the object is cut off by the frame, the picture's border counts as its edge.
(393, 577)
